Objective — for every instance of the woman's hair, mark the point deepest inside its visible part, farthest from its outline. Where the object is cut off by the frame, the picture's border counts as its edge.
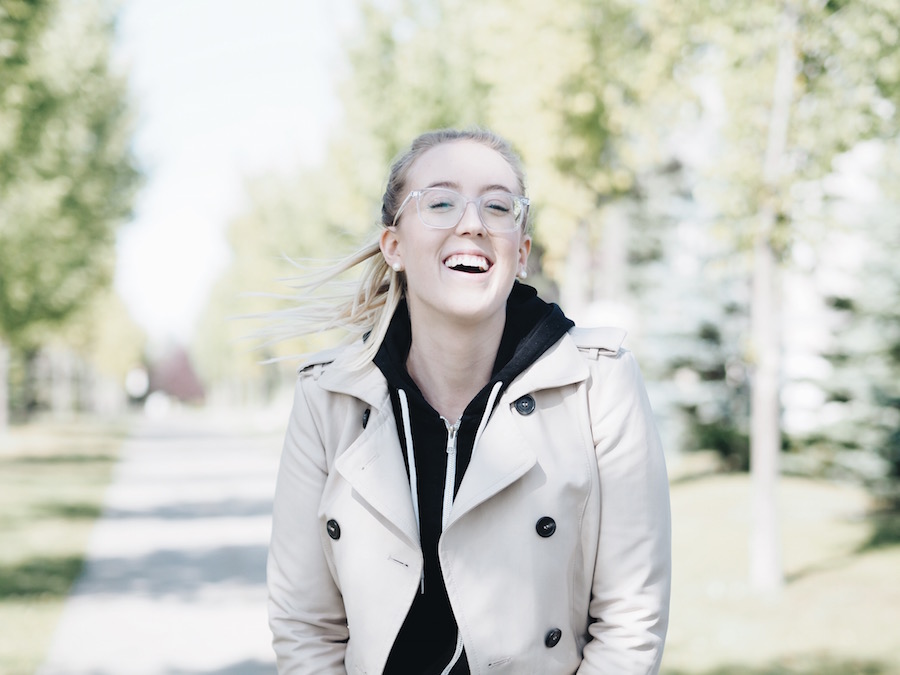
(365, 306)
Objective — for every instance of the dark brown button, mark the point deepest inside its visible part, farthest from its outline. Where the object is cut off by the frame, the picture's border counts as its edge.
(334, 530)
(552, 638)
(525, 405)
(546, 526)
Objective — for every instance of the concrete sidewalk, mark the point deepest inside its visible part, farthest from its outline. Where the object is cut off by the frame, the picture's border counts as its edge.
(174, 582)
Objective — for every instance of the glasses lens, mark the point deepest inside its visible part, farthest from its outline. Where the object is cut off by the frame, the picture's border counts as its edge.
(500, 211)
(440, 208)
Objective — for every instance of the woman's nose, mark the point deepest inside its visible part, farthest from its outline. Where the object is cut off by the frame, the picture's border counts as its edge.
(470, 222)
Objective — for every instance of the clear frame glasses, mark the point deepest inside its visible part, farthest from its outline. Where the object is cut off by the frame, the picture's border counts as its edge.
(442, 209)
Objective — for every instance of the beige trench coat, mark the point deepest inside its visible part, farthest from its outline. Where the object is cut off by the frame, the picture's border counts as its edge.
(592, 597)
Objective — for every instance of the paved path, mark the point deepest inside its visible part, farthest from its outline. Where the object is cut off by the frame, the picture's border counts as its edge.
(174, 582)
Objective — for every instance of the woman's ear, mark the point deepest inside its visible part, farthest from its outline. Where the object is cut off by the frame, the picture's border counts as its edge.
(524, 250)
(390, 249)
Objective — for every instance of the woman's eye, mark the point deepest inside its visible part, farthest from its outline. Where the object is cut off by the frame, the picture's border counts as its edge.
(440, 205)
(499, 207)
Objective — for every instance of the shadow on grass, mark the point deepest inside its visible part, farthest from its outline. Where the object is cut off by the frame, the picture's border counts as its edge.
(76, 511)
(885, 531)
(803, 666)
(73, 458)
(885, 534)
(253, 667)
(39, 577)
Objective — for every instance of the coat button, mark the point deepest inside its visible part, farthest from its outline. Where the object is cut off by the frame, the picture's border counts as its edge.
(525, 405)
(365, 419)
(551, 639)
(334, 530)
(546, 526)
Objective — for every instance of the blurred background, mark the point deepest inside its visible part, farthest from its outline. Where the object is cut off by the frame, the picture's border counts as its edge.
(720, 178)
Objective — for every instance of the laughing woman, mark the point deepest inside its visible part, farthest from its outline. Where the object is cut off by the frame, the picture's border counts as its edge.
(475, 485)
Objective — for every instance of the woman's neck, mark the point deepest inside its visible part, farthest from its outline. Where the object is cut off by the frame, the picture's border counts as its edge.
(451, 364)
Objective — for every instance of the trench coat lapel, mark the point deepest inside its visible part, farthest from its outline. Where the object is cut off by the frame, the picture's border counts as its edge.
(504, 454)
(373, 464)
(374, 467)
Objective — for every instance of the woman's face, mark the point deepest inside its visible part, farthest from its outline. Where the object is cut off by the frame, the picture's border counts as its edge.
(440, 265)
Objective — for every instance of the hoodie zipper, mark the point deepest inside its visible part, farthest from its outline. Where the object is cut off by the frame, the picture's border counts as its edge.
(450, 476)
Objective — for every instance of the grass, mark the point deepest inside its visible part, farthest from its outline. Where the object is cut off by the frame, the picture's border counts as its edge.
(52, 480)
(835, 615)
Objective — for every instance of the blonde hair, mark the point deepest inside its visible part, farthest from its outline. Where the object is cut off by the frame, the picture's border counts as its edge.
(365, 306)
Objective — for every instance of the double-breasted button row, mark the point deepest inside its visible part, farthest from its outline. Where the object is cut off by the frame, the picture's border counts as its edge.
(333, 529)
(525, 405)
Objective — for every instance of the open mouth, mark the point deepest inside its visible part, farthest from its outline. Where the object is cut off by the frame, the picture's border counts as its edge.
(469, 263)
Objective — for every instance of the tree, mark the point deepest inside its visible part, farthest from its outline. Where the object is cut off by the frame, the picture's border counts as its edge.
(67, 176)
(798, 91)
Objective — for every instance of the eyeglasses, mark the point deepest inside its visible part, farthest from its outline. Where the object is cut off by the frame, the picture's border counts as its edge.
(442, 209)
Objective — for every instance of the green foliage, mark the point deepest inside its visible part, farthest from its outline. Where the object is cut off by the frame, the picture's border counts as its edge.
(66, 173)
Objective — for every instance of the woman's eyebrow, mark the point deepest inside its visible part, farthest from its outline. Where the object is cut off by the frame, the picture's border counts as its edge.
(445, 184)
(495, 188)
(452, 185)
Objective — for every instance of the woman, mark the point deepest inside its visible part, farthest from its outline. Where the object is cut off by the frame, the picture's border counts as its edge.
(475, 486)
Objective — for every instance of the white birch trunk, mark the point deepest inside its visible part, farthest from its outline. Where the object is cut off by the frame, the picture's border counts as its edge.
(766, 571)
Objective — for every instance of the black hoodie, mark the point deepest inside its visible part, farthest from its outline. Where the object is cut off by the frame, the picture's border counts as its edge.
(427, 639)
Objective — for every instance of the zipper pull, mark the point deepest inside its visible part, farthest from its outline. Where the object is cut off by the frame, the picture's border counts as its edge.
(451, 435)
(450, 476)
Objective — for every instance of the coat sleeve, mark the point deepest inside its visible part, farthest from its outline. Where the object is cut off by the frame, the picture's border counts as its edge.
(629, 604)
(306, 613)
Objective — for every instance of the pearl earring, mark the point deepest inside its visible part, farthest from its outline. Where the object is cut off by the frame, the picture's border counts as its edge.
(523, 274)
(397, 267)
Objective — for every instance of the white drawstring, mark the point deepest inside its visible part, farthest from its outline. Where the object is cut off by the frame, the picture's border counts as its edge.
(456, 654)
(489, 408)
(413, 480)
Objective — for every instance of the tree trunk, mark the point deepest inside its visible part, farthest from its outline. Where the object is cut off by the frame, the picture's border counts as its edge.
(765, 429)
(766, 573)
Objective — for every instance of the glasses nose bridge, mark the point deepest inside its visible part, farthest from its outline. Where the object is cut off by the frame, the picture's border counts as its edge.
(462, 212)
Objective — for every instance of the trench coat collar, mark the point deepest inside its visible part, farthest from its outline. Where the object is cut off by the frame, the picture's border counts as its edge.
(365, 383)
(560, 365)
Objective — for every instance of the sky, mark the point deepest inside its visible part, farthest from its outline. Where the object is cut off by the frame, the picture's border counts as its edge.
(223, 90)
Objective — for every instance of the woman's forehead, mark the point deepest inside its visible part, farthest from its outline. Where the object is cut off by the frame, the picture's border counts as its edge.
(464, 165)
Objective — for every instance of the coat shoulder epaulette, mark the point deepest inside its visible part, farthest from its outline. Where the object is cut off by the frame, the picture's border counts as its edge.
(597, 342)
(315, 365)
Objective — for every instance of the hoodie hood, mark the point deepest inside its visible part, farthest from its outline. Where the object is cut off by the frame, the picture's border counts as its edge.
(532, 327)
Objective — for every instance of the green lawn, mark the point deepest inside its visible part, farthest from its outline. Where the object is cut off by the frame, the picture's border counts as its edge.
(839, 611)
(52, 480)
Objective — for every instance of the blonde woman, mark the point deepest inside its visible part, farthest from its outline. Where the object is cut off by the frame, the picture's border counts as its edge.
(474, 485)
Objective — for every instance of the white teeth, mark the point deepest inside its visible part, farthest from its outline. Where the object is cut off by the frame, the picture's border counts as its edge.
(467, 260)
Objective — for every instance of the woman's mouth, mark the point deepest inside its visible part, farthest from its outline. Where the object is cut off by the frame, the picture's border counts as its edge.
(468, 262)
